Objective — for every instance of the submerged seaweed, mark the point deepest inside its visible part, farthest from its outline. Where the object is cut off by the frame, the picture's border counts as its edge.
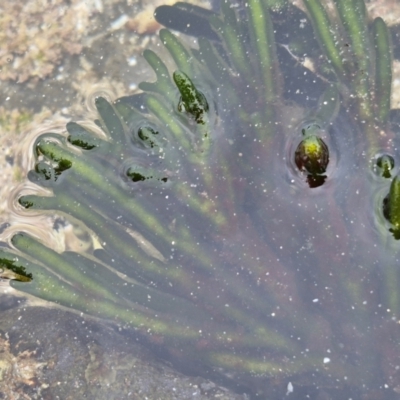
(246, 207)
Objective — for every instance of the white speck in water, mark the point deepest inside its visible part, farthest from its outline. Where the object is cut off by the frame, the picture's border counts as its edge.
(99, 5)
(132, 61)
(327, 360)
(289, 388)
(119, 22)
(315, 301)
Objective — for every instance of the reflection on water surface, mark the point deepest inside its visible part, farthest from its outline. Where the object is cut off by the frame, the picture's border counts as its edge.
(241, 213)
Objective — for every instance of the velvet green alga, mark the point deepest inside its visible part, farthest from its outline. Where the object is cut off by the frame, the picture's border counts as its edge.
(264, 193)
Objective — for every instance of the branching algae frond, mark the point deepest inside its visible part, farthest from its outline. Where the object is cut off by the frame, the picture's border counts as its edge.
(265, 195)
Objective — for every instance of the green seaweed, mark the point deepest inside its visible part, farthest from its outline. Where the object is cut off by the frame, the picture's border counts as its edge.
(250, 259)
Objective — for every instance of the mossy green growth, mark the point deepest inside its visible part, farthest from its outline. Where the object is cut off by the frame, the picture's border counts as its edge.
(13, 265)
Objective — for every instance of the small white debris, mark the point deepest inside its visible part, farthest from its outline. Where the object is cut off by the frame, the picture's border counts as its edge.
(99, 6)
(289, 388)
(315, 301)
(132, 61)
(133, 86)
(327, 360)
(119, 22)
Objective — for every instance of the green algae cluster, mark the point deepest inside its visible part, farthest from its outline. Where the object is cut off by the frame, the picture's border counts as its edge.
(247, 177)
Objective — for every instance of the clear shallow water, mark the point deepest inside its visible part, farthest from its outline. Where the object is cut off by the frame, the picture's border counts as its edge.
(254, 276)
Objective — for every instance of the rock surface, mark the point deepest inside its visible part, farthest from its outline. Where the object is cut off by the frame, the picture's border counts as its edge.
(49, 353)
